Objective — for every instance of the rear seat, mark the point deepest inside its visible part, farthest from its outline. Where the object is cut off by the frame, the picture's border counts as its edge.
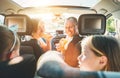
(26, 50)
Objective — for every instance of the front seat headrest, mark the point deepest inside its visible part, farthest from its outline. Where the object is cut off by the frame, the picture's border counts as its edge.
(90, 24)
(19, 23)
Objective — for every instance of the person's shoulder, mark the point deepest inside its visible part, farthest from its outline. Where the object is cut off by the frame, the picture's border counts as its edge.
(26, 58)
(78, 37)
(18, 67)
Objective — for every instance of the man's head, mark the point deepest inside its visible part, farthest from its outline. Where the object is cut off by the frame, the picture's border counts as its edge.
(71, 26)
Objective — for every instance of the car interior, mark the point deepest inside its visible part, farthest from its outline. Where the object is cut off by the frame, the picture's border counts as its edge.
(94, 18)
(21, 24)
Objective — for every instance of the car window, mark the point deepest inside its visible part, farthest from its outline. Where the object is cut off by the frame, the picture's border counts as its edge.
(112, 27)
(1, 19)
(54, 16)
(54, 22)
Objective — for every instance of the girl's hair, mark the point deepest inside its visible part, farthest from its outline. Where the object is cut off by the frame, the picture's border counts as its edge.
(107, 46)
(8, 41)
(110, 47)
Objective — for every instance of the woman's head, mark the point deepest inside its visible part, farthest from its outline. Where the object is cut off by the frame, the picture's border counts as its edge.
(100, 53)
(9, 44)
(71, 26)
(38, 26)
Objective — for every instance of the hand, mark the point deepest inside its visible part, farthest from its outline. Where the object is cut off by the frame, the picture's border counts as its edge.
(60, 46)
(43, 44)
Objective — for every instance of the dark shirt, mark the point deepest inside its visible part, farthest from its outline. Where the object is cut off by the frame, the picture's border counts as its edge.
(38, 51)
(24, 69)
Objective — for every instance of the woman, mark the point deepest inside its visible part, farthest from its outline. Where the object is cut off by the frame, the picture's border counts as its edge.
(40, 40)
(12, 65)
(38, 33)
(100, 53)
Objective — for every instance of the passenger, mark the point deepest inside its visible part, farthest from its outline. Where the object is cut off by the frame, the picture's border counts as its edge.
(53, 68)
(52, 65)
(39, 34)
(99, 53)
(11, 64)
(68, 45)
(40, 40)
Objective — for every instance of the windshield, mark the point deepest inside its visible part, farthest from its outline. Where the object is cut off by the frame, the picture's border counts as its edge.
(34, 3)
(54, 12)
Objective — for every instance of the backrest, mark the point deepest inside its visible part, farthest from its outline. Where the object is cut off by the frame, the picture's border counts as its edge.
(26, 50)
(59, 69)
(56, 40)
(37, 50)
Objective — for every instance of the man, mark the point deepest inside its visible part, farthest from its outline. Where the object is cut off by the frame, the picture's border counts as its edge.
(68, 45)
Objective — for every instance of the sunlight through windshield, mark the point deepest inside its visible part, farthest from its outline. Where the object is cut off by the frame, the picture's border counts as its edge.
(34, 3)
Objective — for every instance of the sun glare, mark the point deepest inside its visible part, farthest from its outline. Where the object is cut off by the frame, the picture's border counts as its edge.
(36, 3)
(40, 3)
